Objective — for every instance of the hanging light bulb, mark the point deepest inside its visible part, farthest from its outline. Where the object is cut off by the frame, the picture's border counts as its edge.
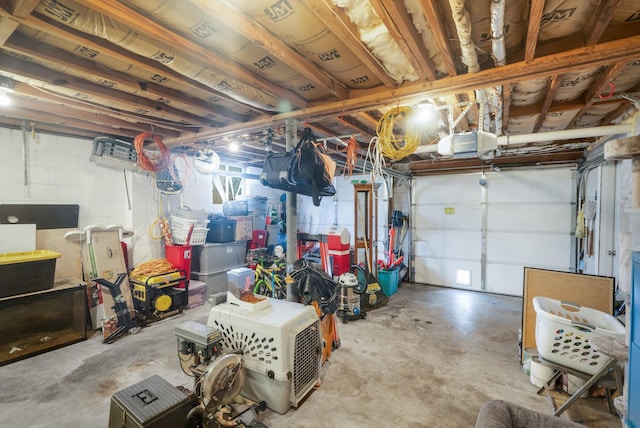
(5, 100)
(6, 87)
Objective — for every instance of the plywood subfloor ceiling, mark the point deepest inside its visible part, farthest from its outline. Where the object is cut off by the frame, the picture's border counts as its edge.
(211, 72)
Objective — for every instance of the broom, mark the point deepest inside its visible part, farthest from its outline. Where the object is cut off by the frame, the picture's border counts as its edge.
(372, 283)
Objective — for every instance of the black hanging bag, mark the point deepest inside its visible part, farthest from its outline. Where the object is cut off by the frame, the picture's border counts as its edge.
(303, 170)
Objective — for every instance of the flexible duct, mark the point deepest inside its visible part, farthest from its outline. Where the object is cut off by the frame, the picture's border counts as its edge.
(498, 51)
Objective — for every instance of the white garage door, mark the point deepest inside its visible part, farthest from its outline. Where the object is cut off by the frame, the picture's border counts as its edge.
(480, 237)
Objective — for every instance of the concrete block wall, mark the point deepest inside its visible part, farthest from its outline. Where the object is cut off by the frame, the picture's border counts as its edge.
(59, 172)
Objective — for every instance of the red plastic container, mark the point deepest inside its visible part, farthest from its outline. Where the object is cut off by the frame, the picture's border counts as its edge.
(259, 238)
(341, 261)
(180, 257)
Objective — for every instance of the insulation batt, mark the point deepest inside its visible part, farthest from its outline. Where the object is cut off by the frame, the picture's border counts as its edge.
(419, 21)
(376, 37)
(199, 27)
(81, 18)
(293, 22)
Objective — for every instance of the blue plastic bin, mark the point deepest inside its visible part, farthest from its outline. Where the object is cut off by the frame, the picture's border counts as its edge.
(388, 280)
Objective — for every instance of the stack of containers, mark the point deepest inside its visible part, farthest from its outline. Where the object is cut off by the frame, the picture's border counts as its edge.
(179, 254)
(257, 209)
(239, 211)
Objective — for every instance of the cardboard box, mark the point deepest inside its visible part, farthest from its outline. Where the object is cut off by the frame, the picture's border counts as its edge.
(197, 294)
(102, 257)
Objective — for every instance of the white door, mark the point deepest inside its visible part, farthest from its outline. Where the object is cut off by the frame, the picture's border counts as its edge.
(481, 236)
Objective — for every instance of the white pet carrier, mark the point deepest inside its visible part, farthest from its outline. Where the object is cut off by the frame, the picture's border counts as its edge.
(282, 348)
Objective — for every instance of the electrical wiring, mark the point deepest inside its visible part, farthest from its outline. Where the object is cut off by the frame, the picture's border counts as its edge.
(151, 161)
(376, 159)
(392, 145)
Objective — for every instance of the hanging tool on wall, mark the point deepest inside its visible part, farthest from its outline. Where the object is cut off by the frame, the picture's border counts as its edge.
(589, 216)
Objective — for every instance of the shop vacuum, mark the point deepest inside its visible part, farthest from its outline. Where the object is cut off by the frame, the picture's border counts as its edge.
(350, 291)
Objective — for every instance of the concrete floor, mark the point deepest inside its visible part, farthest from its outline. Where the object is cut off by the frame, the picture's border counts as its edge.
(430, 358)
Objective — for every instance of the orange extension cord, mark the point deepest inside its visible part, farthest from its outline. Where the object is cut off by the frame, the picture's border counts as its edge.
(352, 154)
(153, 163)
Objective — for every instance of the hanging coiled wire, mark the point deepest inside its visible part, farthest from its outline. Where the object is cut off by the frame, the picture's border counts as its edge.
(397, 146)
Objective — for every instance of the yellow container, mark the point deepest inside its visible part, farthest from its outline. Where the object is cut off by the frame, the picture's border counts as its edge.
(26, 272)
(27, 256)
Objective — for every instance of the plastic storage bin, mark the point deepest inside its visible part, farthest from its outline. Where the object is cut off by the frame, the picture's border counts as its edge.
(563, 330)
(388, 280)
(256, 203)
(26, 272)
(221, 230)
(211, 258)
(244, 227)
(235, 208)
(239, 280)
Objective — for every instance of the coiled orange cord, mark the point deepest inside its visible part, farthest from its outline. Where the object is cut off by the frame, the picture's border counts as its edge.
(352, 155)
(156, 162)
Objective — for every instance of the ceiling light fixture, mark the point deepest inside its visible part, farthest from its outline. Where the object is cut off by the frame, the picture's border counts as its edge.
(234, 146)
(425, 115)
(6, 87)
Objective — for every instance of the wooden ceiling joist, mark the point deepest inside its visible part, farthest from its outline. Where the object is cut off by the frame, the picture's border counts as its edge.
(533, 29)
(346, 31)
(53, 112)
(81, 67)
(549, 96)
(436, 23)
(254, 32)
(603, 84)
(600, 54)
(65, 122)
(398, 21)
(118, 54)
(86, 89)
(601, 19)
(450, 165)
(119, 12)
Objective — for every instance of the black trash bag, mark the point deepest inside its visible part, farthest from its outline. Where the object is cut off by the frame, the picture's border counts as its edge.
(313, 284)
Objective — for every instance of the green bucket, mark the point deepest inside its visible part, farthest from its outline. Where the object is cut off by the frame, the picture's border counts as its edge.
(388, 280)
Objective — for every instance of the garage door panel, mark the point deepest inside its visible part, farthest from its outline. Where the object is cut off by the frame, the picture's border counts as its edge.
(457, 189)
(449, 244)
(525, 249)
(448, 217)
(448, 273)
(504, 279)
(550, 218)
(540, 186)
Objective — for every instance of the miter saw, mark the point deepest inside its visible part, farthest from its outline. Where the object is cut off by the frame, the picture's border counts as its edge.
(218, 380)
(214, 402)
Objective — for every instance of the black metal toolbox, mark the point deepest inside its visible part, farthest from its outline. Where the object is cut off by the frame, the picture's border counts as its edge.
(151, 403)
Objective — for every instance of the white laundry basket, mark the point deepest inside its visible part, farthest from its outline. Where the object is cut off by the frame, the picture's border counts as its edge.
(563, 330)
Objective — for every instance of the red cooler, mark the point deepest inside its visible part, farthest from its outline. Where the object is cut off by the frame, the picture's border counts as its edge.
(339, 244)
(180, 257)
(338, 238)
